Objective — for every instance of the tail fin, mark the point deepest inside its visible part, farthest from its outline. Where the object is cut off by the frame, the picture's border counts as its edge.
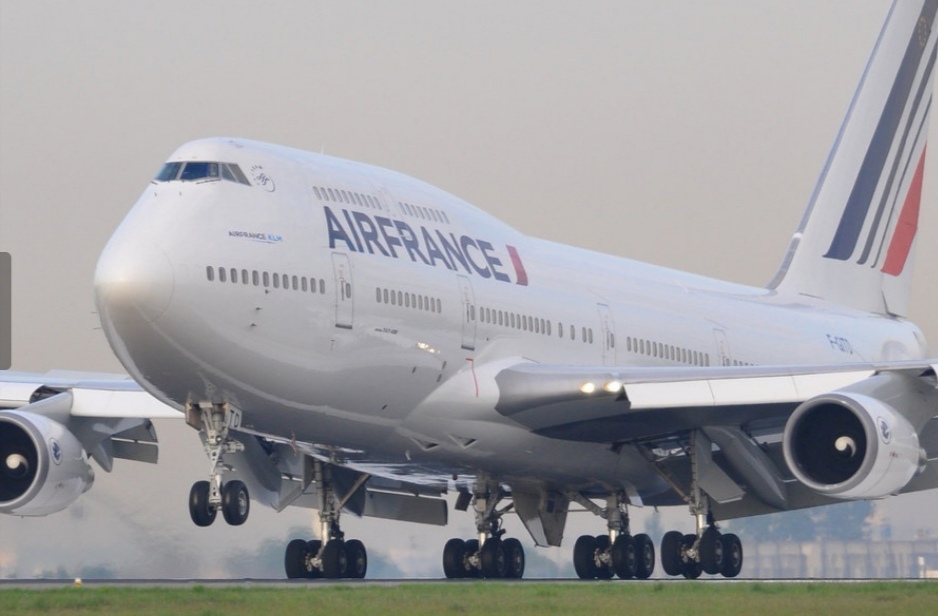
(855, 242)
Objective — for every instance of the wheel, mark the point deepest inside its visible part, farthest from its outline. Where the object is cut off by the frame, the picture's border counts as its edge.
(472, 549)
(645, 556)
(671, 559)
(690, 569)
(493, 559)
(294, 560)
(624, 558)
(514, 558)
(312, 551)
(711, 551)
(584, 557)
(357, 559)
(334, 560)
(235, 502)
(732, 555)
(604, 570)
(453, 554)
(200, 510)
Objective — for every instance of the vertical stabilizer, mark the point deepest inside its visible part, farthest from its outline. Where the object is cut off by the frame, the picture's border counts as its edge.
(855, 244)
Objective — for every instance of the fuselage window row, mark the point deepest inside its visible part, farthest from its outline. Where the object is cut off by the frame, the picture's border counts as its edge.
(266, 279)
(669, 352)
(528, 323)
(405, 299)
(422, 212)
(349, 197)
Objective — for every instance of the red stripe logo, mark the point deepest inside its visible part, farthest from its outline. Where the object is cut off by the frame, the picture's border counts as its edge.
(901, 244)
(519, 266)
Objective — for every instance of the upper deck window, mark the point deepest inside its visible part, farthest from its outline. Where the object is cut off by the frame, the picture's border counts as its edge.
(195, 171)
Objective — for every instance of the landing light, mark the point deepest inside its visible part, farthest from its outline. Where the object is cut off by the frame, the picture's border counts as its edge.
(613, 387)
(588, 387)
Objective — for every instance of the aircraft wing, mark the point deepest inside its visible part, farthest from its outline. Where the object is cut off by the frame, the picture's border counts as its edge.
(742, 417)
(50, 423)
(605, 404)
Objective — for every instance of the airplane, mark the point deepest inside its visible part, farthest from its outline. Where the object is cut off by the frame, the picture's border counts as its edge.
(352, 340)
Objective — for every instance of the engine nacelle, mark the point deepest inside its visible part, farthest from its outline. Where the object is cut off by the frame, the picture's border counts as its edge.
(43, 467)
(862, 441)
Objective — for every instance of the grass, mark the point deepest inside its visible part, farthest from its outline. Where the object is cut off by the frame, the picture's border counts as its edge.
(697, 598)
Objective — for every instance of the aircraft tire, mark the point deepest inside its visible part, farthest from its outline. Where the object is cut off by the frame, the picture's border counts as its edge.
(357, 559)
(584, 557)
(514, 558)
(671, 545)
(624, 557)
(453, 555)
(334, 560)
(493, 559)
(690, 569)
(200, 510)
(645, 552)
(732, 555)
(294, 559)
(235, 502)
(604, 570)
(711, 551)
(312, 550)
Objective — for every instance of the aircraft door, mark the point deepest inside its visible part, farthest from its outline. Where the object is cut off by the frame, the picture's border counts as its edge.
(344, 303)
(723, 347)
(468, 302)
(608, 334)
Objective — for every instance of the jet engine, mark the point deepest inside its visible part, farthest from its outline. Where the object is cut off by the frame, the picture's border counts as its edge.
(43, 467)
(862, 441)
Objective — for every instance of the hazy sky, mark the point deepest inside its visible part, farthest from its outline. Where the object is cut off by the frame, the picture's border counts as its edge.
(688, 134)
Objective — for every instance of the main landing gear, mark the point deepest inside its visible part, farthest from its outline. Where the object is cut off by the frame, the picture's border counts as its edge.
(617, 553)
(206, 498)
(334, 557)
(488, 556)
(708, 550)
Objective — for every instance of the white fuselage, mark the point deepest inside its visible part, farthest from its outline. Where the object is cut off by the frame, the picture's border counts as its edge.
(363, 315)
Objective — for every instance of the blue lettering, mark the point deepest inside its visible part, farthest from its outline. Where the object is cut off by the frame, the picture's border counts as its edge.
(465, 242)
(493, 261)
(369, 233)
(390, 240)
(433, 251)
(409, 238)
(351, 226)
(336, 231)
(452, 250)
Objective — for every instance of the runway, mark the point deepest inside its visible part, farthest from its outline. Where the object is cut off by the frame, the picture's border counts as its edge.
(51, 584)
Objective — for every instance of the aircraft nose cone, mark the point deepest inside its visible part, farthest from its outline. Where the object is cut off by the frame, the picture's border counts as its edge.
(133, 281)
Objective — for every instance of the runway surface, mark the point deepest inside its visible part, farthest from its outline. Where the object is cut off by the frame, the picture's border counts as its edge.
(49, 584)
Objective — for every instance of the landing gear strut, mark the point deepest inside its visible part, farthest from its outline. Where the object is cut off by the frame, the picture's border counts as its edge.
(206, 498)
(708, 550)
(489, 555)
(617, 553)
(332, 557)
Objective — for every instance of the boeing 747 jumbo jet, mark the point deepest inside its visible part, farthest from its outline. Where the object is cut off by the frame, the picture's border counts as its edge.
(352, 340)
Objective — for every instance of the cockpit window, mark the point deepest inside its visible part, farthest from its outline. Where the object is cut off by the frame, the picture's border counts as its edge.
(199, 171)
(195, 171)
(169, 172)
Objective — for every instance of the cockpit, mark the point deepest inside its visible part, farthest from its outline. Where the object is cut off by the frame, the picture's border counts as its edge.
(201, 171)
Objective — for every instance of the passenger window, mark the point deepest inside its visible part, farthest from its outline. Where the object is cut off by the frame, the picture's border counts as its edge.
(316, 190)
(210, 273)
(221, 275)
(303, 284)
(244, 276)
(378, 295)
(255, 278)
(266, 279)
(276, 280)
(322, 286)
(295, 283)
